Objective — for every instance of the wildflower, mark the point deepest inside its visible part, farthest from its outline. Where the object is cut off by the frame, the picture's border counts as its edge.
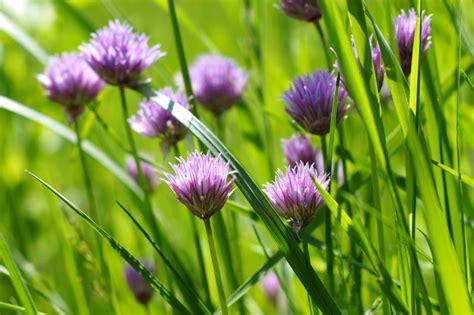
(310, 100)
(118, 55)
(271, 286)
(154, 121)
(405, 26)
(70, 82)
(147, 171)
(298, 149)
(294, 195)
(305, 10)
(200, 183)
(140, 288)
(217, 82)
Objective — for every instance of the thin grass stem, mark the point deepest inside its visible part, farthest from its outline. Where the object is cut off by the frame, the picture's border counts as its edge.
(306, 253)
(325, 45)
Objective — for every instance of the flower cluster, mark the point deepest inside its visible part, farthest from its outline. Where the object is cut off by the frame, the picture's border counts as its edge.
(305, 10)
(298, 148)
(201, 184)
(69, 81)
(140, 288)
(118, 55)
(405, 26)
(310, 101)
(147, 171)
(217, 82)
(294, 194)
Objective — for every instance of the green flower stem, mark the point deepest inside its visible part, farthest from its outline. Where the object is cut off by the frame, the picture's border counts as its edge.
(306, 253)
(215, 264)
(325, 45)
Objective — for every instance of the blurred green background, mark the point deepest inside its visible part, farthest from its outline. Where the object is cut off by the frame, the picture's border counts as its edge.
(42, 236)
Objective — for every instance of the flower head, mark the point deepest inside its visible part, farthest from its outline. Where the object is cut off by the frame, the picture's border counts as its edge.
(294, 195)
(309, 101)
(217, 82)
(119, 55)
(200, 183)
(305, 10)
(405, 26)
(299, 149)
(154, 121)
(271, 286)
(69, 81)
(140, 288)
(148, 173)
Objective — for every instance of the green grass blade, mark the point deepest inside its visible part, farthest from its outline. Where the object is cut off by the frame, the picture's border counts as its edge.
(464, 178)
(283, 236)
(122, 251)
(17, 279)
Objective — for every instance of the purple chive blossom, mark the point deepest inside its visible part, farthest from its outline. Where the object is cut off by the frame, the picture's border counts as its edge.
(69, 81)
(118, 55)
(201, 184)
(150, 176)
(217, 82)
(154, 121)
(305, 10)
(299, 149)
(309, 101)
(405, 26)
(294, 195)
(142, 291)
(271, 286)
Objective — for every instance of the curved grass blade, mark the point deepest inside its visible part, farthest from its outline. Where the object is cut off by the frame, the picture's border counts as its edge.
(64, 132)
(189, 294)
(17, 279)
(15, 308)
(124, 253)
(464, 178)
(285, 238)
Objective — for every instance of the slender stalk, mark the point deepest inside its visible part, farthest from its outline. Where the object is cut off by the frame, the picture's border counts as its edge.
(325, 45)
(215, 264)
(94, 214)
(328, 228)
(306, 253)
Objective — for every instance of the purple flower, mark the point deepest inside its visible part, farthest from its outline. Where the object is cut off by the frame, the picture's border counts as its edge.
(294, 195)
(271, 286)
(140, 288)
(148, 173)
(306, 10)
(299, 149)
(69, 81)
(309, 101)
(217, 82)
(118, 55)
(405, 26)
(200, 183)
(154, 121)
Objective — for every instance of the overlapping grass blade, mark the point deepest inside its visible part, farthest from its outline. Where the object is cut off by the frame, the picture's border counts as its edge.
(123, 252)
(17, 280)
(464, 178)
(285, 239)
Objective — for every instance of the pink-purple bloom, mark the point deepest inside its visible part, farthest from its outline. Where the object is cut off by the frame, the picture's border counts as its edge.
(217, 82)
(294, 194)
(69, 81)
(405, 26)
(140, 288)
(201, 183)
(298, 148)
(154, 121)
(305, 10)
(310, 100)
(271, 286)
(118, 55)
(147, 171)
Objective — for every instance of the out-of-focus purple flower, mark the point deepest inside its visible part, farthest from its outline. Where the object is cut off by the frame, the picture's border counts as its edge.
(200, 183)
(309, 101)
(405, 26)
(148, 173)
(140, 288)
(217, 82)
(154, 121)
(298, 148)
(376, 60)
(294, 195)
(306, 10)
(69, 81)
(271, 286)
(118, 55)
